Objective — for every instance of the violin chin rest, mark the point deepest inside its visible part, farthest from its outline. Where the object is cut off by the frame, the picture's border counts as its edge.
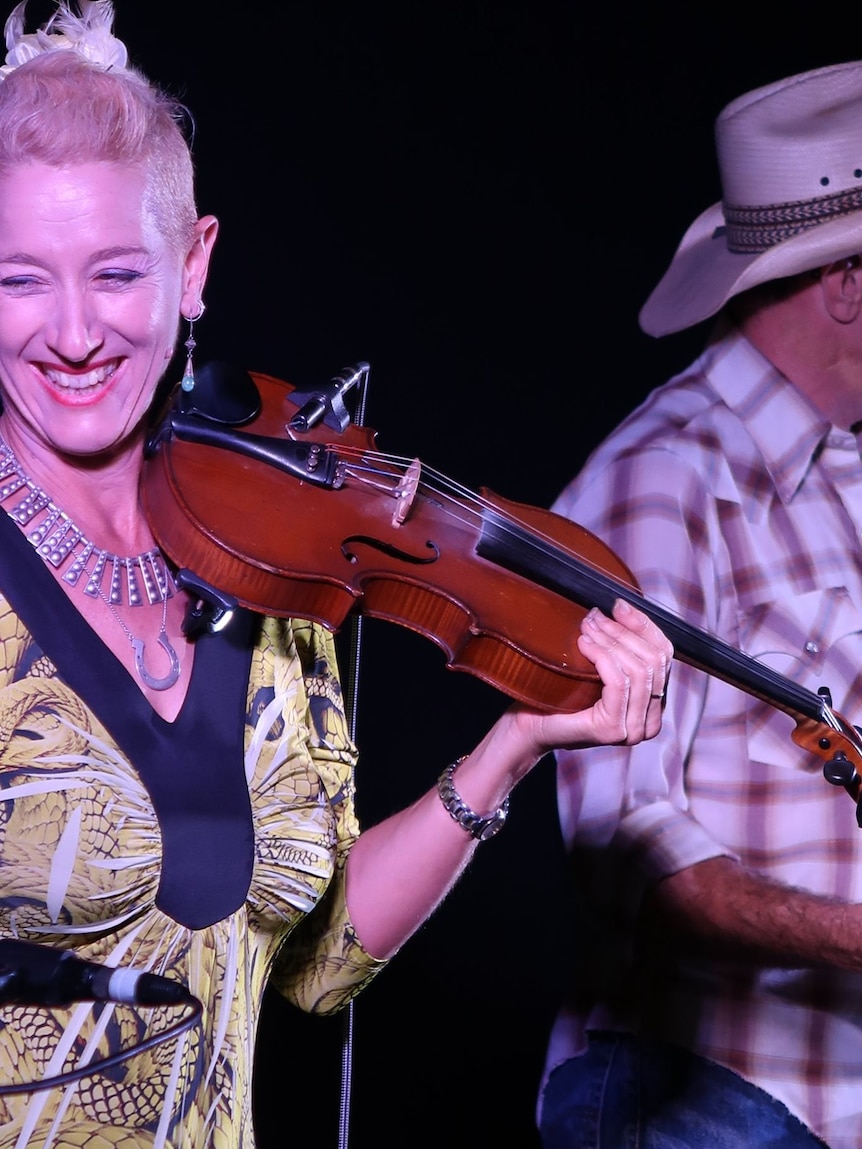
(223, 393)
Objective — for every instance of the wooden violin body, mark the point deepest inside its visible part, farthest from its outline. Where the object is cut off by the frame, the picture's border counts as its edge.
(382, 538)
(309, 519)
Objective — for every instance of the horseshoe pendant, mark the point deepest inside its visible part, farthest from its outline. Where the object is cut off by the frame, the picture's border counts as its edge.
(148, 680)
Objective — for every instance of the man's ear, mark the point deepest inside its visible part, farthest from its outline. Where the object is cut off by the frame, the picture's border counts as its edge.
(841, 288)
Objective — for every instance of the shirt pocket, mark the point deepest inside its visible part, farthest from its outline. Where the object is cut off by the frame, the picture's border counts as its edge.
(812, 640)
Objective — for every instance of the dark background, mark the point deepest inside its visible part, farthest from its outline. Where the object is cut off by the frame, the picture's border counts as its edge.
(476, 198)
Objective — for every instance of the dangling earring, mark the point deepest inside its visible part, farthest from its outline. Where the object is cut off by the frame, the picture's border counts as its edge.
(188, 382)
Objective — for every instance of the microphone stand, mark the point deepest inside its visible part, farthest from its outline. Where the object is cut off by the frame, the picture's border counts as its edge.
(319, 405)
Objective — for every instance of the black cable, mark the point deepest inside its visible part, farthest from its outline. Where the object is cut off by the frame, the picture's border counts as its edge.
(62, 1079)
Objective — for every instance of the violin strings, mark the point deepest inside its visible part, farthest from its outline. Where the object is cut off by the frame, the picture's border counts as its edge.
(467, 506)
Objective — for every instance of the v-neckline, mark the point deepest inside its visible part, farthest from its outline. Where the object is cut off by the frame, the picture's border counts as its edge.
(192, 767)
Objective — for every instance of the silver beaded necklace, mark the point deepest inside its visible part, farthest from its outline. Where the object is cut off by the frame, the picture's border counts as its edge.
(58, 541)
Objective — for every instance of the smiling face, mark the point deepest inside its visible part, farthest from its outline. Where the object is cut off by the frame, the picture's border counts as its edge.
(91, 294)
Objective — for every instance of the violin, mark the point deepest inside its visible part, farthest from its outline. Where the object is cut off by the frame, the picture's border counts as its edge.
(275, 500)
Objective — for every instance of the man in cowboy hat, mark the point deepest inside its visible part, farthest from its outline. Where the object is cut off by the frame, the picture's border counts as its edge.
(717, 985)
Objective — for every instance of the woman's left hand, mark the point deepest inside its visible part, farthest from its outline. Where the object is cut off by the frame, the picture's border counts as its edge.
(632, 658)
(399, 869)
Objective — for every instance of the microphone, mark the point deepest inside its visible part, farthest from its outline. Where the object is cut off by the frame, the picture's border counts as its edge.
(327, 402)
(32, 974)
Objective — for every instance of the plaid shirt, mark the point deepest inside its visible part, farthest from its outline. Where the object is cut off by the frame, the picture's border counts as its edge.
(738, 508)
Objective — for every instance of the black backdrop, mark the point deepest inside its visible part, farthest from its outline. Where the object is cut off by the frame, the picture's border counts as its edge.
(475, 197)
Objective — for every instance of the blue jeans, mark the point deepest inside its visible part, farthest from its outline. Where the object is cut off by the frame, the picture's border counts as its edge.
(626, 1094)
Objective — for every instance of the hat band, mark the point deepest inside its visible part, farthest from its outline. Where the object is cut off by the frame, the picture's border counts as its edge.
(751, 230)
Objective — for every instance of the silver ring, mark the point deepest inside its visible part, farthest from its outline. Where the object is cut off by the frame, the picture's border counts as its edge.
(661, 696)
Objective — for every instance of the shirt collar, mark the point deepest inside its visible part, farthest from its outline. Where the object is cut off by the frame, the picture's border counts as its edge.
(786, 428)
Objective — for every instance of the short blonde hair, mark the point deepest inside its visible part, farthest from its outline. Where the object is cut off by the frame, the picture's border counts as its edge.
(61, 109)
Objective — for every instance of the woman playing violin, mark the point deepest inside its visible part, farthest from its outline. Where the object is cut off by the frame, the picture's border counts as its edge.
(178, 805)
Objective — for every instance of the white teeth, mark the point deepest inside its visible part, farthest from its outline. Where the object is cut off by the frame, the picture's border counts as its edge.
(80, 382)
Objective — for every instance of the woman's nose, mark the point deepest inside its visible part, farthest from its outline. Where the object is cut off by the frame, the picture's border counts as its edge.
(77, 332)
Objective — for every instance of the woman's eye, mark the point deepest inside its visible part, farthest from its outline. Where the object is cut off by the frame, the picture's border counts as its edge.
(117, 276)
(13, 281)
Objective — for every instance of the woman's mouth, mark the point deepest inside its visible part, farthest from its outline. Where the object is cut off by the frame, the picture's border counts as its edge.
(65, 380)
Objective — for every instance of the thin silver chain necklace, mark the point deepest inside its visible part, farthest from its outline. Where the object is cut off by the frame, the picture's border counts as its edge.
(58, 542)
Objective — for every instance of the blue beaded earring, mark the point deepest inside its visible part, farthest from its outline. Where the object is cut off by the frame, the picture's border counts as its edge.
(188, 381)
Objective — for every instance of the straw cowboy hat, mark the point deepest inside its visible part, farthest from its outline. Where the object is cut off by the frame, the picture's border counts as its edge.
(790, 158)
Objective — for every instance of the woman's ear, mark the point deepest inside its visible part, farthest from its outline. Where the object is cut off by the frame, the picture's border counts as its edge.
(197, 263)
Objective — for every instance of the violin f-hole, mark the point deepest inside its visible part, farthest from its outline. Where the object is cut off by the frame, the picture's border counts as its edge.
(389, 550)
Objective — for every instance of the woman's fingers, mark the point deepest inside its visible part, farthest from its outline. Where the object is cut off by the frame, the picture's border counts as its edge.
(633, 659)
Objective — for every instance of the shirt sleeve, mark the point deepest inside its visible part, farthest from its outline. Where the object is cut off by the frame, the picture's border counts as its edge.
(654, 509)
(321, 964)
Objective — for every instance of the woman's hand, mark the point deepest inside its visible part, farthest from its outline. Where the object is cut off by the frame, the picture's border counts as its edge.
(400, 869)
(632, 658)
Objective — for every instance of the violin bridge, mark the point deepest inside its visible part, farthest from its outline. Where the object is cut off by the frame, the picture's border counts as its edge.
(405, 493)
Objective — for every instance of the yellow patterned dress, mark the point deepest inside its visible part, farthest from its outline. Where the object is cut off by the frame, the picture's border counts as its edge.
(216, 859)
